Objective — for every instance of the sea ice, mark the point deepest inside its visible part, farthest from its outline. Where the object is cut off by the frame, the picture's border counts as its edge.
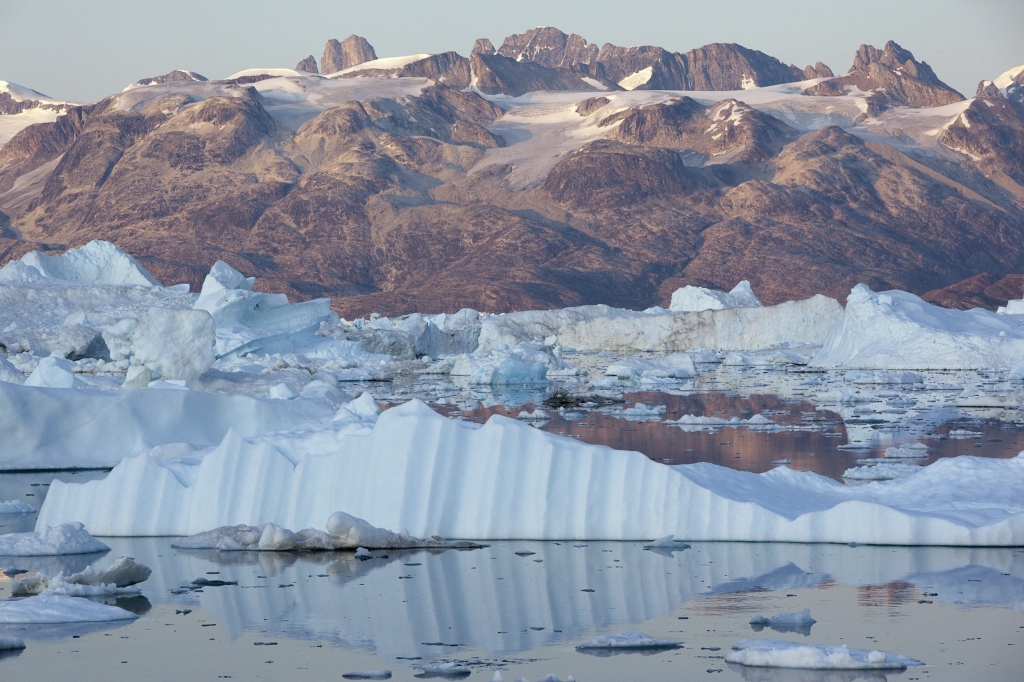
(881, 472)
(772, 653)
(54, 608)
(628, 640)
(696, 299)
(898, 330)
(418, 470)
(67, 538)
(52, 372)
(672, 366)
(444, 669)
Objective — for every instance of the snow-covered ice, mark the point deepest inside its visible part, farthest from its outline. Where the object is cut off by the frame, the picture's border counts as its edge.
(628, 640)
(696, 299)
(67, 538)
(898, 330)
(773, 653)
(54, 608)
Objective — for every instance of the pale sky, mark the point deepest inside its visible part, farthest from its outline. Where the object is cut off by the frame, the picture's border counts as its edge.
(83, 51)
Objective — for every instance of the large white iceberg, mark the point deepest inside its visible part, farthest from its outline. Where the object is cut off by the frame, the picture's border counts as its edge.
(417, 470)
(600, 327)
(898, 330)
(524, 363)
(96, 263)
(695, 299)
(178, 344)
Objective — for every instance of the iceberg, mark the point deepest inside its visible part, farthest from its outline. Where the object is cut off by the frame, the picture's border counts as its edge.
(628, 640)
(55, 608)
(248, 320)
(773, 653)
(15, 507)
(796, 619)
(898, 330)
(66, 538)
(671, 366)
(881, 472)
(96, 263)
(524, 363)
(418, 470)
(91, 582)
(696, 299)
(11, 643)
(601, 327)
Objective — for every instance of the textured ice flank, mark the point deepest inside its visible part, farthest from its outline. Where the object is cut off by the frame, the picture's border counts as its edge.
(695, 299)
(97, 262)
(628, 640)
(49, 608)
(773, 653)
(67, 538)
(417, 470)
(898, 330)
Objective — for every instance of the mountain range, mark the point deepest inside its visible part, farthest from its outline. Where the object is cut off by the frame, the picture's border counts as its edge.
(543, 173)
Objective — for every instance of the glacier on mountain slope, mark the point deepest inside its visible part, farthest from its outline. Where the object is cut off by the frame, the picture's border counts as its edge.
(898, 330)
(696, 299)
(417, 470)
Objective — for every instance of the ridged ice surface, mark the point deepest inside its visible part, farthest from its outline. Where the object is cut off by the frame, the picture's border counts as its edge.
(430, 475)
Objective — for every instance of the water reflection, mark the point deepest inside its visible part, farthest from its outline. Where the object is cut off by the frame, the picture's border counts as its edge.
(494, 600)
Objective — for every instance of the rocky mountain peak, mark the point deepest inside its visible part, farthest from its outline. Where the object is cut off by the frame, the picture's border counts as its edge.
(308, 65)
(897, 60)
(350, 52)
(549, 47)
(483, 46)
(176, 75)
(819, 70)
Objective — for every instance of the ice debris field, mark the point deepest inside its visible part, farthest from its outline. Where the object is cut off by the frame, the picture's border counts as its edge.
(247, 421)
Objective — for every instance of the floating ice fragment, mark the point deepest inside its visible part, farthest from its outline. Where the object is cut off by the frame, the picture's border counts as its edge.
(49, 608)
(628, 640)
(797, 621)
(67, 538)
(771, 653)
(15, 507)
(368, 675)
(116, 579)
(11, 643)
(52, 372)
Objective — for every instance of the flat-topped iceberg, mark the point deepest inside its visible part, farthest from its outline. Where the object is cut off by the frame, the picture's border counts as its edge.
(774, 653)
(628, 640)
(601, 327)
(432, 475)
(898, 330)
(46, 428)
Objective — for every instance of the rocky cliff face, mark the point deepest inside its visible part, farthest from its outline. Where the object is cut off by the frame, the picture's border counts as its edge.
(895, 78)
(352, 51)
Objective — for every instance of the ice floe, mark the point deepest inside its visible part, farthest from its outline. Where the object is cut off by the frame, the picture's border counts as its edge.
(15, 507)
(417, 470)
(696, 299)
(628, 640)
(797, 621)
(90, 582)
(671, 366)
(898, 330)
(56, 608)
(67, 538)
(773, 653)
(344, 531)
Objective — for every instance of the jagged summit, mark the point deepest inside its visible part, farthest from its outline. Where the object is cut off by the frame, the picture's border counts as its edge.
(307, 65)
(173, 76)
(894, 77)
(350, 52)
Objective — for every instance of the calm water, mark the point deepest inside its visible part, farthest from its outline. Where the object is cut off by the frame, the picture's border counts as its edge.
(317, 615)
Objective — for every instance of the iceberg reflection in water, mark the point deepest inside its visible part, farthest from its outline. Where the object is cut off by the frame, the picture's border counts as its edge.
(491, 599)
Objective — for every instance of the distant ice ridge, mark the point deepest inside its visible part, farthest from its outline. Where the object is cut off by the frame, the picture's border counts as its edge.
(696, 299)
(412, 468)
(601, 327)
(773, 653)
(46, 428)
(898, 330)
(65, 538)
